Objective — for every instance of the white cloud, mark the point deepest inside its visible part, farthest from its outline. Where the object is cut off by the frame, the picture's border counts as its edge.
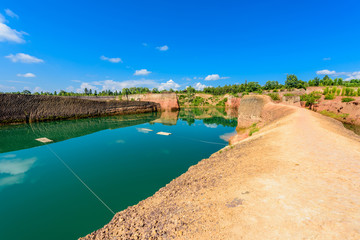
(11, 13)
(352, 75)
(24, 58)
(8, 34)
(327, 59)
(214, 77)
(70, 89)
(27, 75)
(325, 72)
(169, 84)
(38, 89)
(2, 18)
(349, 75)
(142, 72)
(200, 86)
(163, 48)
(13, 81)
(114, 85)
(88, 86)
(113, 60)
(4, 88)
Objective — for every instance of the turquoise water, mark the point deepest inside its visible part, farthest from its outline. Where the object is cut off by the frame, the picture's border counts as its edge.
(123, 164)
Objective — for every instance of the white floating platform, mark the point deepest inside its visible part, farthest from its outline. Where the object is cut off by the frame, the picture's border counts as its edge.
(44, 140)
(164, 133)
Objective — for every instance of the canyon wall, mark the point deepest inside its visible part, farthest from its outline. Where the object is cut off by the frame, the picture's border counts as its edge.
(16, 108)
(167, 101)
(256, 111)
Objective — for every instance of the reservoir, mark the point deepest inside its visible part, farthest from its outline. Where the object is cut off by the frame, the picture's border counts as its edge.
(69, 188)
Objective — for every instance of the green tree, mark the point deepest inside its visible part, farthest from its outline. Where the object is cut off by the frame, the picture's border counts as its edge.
(293, 82)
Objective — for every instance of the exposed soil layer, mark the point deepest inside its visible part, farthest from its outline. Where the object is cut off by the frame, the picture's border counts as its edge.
(296, 178)
(167, 101)
(348, 112)
(31, 108)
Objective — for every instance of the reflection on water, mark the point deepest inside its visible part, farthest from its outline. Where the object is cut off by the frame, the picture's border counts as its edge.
(112, 155)
(16, 137)
(210, 116)
(13, 169)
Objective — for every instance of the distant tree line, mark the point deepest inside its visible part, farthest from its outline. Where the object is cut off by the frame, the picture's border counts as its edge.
(291, 82)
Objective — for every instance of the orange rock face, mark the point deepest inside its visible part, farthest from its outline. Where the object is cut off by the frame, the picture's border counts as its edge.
(351, 109)
(167, 101)
(233, 102)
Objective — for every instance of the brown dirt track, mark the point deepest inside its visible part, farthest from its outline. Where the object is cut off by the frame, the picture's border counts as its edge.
(297, 178)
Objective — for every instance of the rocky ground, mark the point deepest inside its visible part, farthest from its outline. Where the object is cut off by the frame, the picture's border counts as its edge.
(296, 178)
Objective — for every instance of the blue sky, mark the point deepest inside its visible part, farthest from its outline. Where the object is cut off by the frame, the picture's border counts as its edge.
(53, 45)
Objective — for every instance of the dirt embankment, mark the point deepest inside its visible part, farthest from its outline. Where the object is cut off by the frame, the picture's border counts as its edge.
(31, 108)
(296, 178)
(167, 101)
(348, 112)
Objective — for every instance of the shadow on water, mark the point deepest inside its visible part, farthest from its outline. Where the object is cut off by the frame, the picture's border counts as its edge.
(17, 137)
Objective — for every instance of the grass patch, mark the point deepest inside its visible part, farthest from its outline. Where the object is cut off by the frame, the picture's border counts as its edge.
(330, 96)
(253, 129)
(347, 99)
(274, 96)
(334, 115)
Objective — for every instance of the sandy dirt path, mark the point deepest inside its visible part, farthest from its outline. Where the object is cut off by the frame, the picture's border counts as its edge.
(297, 178)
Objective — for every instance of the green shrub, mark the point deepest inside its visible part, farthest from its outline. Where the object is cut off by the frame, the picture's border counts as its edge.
(197, 101)
(330, 96)
(289, 94)
(347, 91)
(347, 99)
(333, 90)
(326, 91)
(310, 98)
(253, 129)
(222, 103)
(358, 92)
(274, 96)
(338, 92)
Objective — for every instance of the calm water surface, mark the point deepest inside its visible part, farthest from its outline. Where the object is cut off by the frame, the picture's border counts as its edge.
(41, 199)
